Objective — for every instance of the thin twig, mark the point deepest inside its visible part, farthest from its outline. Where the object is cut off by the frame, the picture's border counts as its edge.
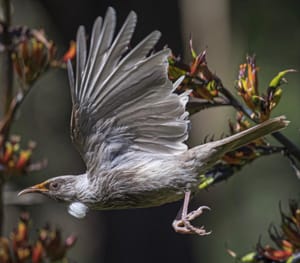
(196, 104)
(14, 105)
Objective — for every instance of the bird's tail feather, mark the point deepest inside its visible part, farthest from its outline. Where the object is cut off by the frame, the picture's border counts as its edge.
(242, 138)
(207, 154)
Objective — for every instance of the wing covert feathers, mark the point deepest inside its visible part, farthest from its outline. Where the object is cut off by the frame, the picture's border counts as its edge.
(123, 100)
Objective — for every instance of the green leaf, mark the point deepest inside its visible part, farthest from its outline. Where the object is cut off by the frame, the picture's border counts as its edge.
(249, 257)
(193, 52)
(278, 79)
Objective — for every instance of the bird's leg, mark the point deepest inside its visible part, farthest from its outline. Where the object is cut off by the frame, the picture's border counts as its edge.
(183, 224)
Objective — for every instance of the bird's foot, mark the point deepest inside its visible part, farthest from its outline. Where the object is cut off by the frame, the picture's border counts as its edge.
(184, 226)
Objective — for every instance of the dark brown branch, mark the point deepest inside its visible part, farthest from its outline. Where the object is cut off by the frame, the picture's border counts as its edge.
(196, 104)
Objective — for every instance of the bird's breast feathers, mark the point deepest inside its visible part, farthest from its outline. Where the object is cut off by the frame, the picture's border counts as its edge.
(142, 182)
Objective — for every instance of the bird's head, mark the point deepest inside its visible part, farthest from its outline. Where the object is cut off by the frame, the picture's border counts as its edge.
(62, 188)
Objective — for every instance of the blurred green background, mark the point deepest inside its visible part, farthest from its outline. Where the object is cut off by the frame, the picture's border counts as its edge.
(243, 207)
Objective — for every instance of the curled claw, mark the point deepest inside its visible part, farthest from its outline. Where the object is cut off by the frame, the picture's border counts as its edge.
(194, 214)
(184, 226)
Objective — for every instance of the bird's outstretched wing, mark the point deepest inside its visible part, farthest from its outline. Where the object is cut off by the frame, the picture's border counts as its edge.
(123, 102)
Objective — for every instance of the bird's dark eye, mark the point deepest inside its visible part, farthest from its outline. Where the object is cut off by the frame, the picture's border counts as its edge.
(53, 186)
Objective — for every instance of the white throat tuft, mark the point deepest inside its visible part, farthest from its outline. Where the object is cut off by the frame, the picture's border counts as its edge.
(78, 210)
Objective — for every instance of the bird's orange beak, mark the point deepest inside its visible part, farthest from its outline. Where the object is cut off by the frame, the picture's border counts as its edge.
(38, 188)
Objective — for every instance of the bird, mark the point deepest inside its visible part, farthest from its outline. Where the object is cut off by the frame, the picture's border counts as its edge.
(130, 129)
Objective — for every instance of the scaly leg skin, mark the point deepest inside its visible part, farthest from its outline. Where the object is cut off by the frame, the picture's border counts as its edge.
(183, 225)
